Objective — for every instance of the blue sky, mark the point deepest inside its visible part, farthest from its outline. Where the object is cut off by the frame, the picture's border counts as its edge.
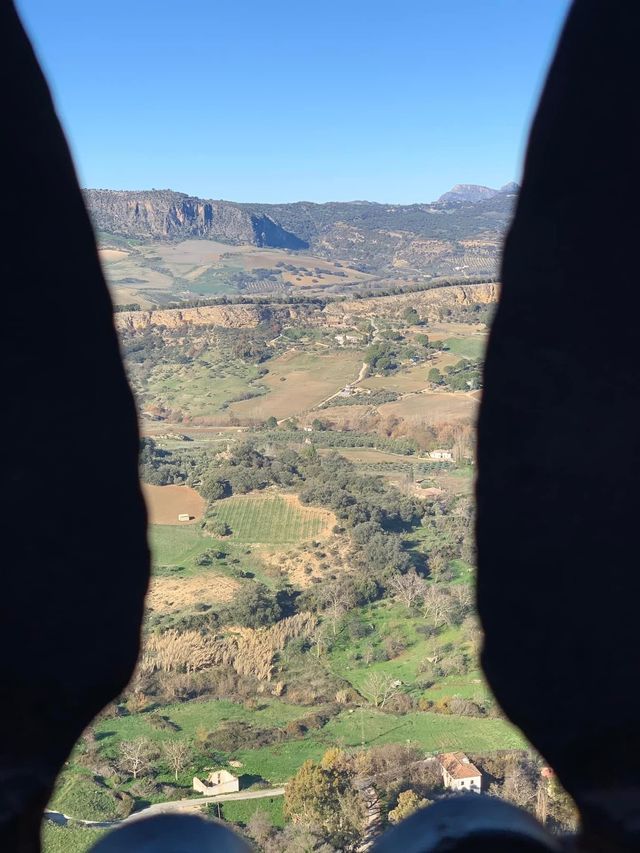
(282, 101)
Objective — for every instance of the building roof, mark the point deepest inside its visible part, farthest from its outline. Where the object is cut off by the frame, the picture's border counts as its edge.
(458, 765)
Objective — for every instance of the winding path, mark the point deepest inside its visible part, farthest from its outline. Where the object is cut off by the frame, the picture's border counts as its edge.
(185, 805)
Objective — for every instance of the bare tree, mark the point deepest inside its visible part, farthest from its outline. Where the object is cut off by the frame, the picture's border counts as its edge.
(438, 606)
(408, 588)
(379, 688)
(136, 756)
(177, 754)
(463, 597)
(520, 785)
(337, 600)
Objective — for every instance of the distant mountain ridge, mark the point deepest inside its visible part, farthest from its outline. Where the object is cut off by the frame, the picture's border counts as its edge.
(461, 233)
(473, 193)
(162, 214)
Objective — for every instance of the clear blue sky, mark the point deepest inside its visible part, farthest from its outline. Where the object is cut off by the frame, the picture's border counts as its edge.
(284, 100)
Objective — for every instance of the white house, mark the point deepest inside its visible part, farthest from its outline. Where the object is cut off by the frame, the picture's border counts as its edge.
(442, 455)
(218, 782)
(458, 773)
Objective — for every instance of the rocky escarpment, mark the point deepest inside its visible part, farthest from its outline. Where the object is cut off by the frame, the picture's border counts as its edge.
(227, 316)
(430, 304)
(162, 214)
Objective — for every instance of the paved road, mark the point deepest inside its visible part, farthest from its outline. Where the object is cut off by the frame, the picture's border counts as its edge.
(185, 805)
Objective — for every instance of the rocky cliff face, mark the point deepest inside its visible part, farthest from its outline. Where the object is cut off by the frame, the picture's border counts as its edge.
(429, 303)
(227, 316)
(460, 234)
(161, 214)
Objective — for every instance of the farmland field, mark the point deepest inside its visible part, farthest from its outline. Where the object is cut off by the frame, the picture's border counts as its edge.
(297, 381)
(368, 455)
(470, 347)
(208, 267)
(165, 503)
(432, 407)
(272, 519)
(201, 389)
(172, 545)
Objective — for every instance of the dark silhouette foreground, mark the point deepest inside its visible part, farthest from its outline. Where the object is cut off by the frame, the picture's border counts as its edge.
(558, 461)
(73, 514)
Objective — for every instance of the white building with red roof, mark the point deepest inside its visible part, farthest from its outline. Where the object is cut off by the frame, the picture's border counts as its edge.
(458, 773)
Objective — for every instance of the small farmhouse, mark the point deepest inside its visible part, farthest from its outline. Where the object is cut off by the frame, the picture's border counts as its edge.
(218, 782)
(458, 773)
(442, 455)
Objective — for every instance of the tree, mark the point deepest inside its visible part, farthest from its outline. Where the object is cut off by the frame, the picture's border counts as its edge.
(323, 795)
(255, 606)
(408, 588)
(423, 340)
(438, 563)
(434, 376)
(177, 754)
(408, 803)
(379, 688)
(214, 487)
(337, 598)
(520, 785)
(260, 827)
(411, 316)
(219, 527)
(438, 606)
(136, 756)
(270, 423)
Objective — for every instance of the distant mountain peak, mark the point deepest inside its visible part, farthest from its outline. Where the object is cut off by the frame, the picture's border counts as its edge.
(473, 193)
(468, 193)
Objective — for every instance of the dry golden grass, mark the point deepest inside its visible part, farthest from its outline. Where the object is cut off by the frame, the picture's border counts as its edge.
(167, 595)
(297, 381)
(433, 407)
(248, 651)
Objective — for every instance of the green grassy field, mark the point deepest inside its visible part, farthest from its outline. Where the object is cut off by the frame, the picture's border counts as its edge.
(240, 812)
(69, 839)
(192, 716)
(201, 389)
(270, 519)
(471, 347)
(80, 795)
(430, 732)
(172, 545)
(175, 551)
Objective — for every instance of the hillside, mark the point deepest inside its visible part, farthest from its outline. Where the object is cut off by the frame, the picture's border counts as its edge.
(431, 304)
(458, 235)
(162, 214)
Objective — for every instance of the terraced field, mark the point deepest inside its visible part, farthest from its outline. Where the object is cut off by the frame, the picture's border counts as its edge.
(272, 519)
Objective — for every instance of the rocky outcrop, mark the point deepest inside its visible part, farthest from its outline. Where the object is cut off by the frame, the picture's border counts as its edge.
(227, 316)
(161, 214)
(430, 304)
